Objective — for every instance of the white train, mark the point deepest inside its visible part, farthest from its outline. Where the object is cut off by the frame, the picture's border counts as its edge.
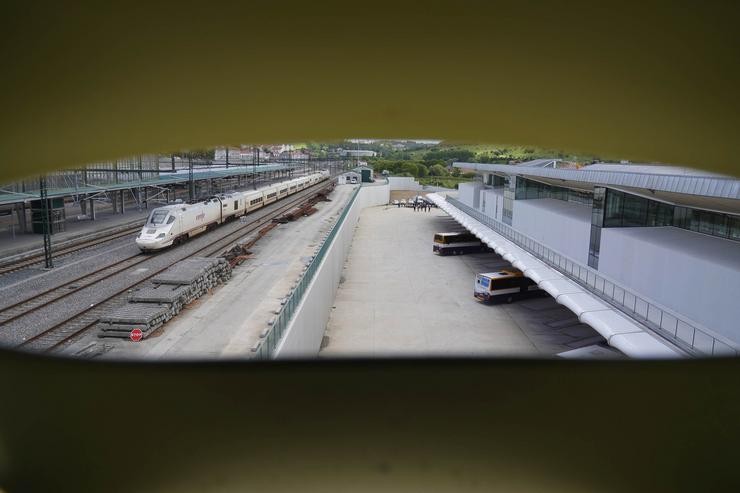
(172, 224)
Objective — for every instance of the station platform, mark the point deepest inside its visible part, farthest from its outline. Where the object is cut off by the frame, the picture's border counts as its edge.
(397, 298)
(14, 243)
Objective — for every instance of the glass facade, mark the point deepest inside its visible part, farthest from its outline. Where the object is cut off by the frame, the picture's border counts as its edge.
(616, 209)
(531, 189)
(623, 210)
(509, 195)
(597, 222)
(498, 181)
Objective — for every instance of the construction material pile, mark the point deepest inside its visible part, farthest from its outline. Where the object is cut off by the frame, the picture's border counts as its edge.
(237, 254)
(151, 307)
(305, 209)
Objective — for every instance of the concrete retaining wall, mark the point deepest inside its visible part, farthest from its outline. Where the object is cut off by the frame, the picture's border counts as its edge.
(403, 183)
(303, 336)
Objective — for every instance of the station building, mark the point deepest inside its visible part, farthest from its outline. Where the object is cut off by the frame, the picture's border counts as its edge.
(659, 244)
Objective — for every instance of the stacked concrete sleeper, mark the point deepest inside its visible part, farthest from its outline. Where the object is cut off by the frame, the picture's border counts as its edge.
(152, 306)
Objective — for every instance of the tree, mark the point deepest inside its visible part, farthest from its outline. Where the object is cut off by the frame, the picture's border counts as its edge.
(411, 168)
(437, 170)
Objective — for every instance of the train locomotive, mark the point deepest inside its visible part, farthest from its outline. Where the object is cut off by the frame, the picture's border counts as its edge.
(172, 224)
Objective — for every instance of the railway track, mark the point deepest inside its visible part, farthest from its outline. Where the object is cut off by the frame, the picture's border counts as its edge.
(39, 300)
(38, 259)
(64, 331)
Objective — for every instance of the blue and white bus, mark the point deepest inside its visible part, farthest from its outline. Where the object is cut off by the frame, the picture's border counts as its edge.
(506, 285)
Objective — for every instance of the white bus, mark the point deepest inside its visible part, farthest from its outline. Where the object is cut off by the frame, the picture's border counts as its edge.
(457, 243)
(505, 285)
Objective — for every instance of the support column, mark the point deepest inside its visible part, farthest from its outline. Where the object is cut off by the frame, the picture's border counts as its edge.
(123, 201)
(146, 198)
(21, 212)
(114, 202)
(83, 207)
(92, 209)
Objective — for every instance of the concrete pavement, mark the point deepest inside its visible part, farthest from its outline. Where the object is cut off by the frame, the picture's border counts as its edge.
(398, 298)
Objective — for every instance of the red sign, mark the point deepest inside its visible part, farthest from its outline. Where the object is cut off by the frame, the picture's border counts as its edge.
(136, 335)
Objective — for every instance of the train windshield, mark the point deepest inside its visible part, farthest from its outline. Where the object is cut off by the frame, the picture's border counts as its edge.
(157, 217)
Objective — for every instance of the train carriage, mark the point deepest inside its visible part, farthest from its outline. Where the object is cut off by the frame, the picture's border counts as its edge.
(271, 195)
(282, 191)
(171, 224)
(253, 200)
(231, 205)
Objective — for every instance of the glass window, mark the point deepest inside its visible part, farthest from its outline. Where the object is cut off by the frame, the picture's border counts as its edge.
(521, 189)
(719, 225)
(170, 219)
(506, 283)
(733, 225)
(593, 261)
(635, 211)
(652, 213)
(597, 211)
(679, 217)
(659, 214)
(692, 220)
(613, 209)
(595, 241)
(706, 225)
(665, 214)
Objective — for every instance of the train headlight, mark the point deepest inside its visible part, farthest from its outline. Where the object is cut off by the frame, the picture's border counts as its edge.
(160, 235)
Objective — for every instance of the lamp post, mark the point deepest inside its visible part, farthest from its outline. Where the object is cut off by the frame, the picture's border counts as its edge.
(254, 169)
(191, 183)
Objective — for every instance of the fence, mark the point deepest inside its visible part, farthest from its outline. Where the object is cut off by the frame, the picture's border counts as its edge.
(269, 343)
(654, 316)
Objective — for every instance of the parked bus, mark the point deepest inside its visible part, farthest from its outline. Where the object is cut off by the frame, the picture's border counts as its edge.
(457, 244)
(506, 285)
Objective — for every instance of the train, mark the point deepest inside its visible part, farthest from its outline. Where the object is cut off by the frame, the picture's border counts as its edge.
(172, 224)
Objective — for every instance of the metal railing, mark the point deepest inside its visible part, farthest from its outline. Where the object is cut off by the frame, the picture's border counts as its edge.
(660, 319)
(267, 345)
